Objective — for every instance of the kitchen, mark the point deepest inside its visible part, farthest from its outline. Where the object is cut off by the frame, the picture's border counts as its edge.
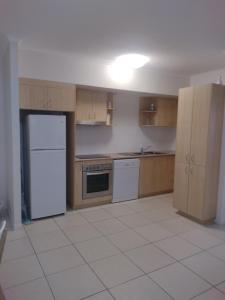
(97, 174)
(112, 150)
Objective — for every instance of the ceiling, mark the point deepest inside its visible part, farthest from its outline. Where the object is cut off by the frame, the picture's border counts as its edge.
(181, 36)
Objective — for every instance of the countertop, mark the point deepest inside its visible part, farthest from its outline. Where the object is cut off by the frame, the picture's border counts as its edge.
(114, 156)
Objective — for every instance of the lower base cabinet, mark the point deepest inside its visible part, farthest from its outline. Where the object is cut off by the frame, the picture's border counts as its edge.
(156, 175)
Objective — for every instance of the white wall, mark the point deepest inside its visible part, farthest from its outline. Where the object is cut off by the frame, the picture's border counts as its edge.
(125, 134)
(3, 189)
(208, 77)
(212, 77)
(12, 131)
(84, 71)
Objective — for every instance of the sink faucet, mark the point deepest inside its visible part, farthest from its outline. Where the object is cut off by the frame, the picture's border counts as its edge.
(143, 149)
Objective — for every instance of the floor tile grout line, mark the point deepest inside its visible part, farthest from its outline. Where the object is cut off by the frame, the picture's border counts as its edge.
(132, 228)
(144, 273)
(42, 269)
(205, 249)
(216, 287)
(134, 248)
(202, 293)
(180, 261)
(23, 283)
(106, 288)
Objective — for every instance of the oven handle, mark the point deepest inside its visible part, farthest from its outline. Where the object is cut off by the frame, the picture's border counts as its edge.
(98, 173)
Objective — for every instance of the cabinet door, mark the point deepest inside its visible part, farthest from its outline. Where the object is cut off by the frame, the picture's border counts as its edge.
(147, 178)
(166, 114)
(100, 106)
(184, 121)
(84, 106)
(196, 191)
(61, 98)
(156, 175)
(181, 182)
(200, 124)
(33, 96)
(77, 184)
(164, 173)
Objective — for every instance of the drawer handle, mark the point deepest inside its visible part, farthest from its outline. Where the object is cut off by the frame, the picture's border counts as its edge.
(186, 170)
(187, 158)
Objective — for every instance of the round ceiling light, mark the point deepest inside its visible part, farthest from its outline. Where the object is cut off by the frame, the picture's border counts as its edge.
(120, 73)
(132, 60)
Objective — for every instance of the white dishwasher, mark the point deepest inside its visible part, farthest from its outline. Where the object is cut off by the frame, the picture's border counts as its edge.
(125, 179)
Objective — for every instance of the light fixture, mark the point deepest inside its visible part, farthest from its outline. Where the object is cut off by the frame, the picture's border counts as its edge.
(120, 73)
(122, 69)
(132, 60)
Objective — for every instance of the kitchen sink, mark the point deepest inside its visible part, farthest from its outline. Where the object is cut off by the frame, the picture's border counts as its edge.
(147, 153)
(143, 153)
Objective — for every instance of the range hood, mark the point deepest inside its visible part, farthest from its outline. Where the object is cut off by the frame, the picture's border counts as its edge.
(91, 122)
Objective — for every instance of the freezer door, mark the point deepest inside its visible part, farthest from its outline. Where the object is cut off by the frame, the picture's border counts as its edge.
(47, 183)
(46, 132)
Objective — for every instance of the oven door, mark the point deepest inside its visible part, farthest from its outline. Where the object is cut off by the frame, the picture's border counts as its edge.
(97, 184)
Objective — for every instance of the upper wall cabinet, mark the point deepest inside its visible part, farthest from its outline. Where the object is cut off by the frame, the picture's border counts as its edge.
(46, 95)
(93, 107)
(158, 111)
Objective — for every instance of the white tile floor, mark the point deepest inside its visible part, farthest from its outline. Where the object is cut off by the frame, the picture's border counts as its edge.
(137, 250)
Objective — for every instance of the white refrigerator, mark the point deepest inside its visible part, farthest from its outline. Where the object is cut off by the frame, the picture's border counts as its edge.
(46, 150)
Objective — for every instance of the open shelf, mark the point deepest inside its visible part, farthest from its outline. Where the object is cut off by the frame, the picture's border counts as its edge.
(164, 115)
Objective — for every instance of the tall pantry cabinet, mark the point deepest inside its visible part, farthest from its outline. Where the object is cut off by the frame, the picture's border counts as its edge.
(198, 144)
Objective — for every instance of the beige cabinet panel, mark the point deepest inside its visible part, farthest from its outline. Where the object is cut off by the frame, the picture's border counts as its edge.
(33, 97)
(147, 178)
(156, 175)
(196, 191)
(166, 113)
(84, 106)
(200, 124)
(77, 184)
(184, 124)
(204, 143)
(165, 173)
(100, 106)
(91, 106)
(61, 98)
(181, 187)
(46, 95)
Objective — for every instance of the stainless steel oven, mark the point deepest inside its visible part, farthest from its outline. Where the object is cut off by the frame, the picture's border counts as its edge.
(97, 180)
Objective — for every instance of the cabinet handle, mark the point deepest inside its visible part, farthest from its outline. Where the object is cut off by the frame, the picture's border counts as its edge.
(192, 158)
(187, 158)
(186, 170)
(191, 171)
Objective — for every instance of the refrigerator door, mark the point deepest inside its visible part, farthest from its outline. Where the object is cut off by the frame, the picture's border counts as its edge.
(46, 132)
(47, 183)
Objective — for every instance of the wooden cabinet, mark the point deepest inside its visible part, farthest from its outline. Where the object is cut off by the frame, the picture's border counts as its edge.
(156, 175)
(158, 111)
(199, 131)
(46, 95)
(93, 107)
(77, 185)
